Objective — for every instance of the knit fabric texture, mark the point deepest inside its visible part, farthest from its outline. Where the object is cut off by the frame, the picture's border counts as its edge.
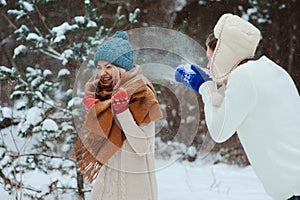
(117, 51)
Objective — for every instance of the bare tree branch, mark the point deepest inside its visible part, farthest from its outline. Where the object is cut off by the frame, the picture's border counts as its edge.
(18, 185)
(42, 18)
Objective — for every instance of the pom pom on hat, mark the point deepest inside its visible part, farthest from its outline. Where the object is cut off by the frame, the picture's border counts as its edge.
(117, 51)
(121, 34)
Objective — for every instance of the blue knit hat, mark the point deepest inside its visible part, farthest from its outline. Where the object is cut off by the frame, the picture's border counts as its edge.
(117, 51)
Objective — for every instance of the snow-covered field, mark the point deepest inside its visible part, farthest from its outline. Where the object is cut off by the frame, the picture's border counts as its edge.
(201, 181)
(177, 179)
(193, 181)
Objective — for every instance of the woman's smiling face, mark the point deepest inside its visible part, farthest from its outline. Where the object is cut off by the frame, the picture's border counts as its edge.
(108, 73)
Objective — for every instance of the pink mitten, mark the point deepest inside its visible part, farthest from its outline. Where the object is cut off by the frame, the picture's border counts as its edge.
(88, 101)
(120, 101)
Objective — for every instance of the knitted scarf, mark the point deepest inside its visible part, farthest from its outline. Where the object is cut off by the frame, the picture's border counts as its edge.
(104, 137)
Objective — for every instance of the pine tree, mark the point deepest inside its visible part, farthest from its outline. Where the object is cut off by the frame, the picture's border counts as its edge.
(37, 122)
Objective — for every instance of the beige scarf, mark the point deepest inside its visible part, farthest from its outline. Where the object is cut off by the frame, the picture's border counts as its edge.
(104, 136)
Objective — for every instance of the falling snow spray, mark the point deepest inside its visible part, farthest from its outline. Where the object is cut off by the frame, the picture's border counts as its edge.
(159, 51)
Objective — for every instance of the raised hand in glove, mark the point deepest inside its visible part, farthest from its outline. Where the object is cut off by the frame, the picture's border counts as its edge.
(120, 101)
(88, 101)
(191, 76)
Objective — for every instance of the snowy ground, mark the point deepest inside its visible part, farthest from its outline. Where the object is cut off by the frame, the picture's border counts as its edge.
(202, 181)
(177, 179)
(195, 181)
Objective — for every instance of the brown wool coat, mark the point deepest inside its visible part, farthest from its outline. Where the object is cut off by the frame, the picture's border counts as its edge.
(119, 149)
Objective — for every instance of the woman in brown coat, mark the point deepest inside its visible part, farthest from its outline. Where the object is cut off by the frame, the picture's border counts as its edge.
(122, 107)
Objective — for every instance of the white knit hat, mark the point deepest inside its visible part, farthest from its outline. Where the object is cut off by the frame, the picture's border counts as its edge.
(237, 40)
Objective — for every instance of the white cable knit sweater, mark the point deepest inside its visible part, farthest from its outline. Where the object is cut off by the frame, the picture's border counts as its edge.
(262, 104)
(129, 174)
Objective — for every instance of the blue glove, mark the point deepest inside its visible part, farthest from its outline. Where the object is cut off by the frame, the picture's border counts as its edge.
(191, 76)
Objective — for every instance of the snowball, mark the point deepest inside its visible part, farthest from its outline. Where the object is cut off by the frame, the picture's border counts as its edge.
(49, 125)
(34, 116)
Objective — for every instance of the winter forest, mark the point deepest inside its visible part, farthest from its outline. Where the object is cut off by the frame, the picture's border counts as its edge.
(46, 54)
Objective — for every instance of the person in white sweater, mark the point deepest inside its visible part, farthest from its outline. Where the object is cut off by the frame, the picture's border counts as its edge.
(261, 103)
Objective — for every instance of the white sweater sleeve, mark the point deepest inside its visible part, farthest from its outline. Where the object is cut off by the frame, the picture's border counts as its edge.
(137, 136)
(224, 115)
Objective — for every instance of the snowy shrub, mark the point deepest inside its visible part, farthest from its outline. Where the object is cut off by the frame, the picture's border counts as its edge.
(40, 133)
(37, 125)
